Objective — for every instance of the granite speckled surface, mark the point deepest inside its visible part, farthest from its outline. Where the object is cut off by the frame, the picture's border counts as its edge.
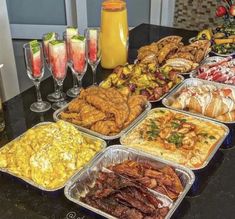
(215, 195)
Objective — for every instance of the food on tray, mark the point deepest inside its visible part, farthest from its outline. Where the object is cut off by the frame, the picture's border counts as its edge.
(222, 71)
(223, 38)
(148, 174)
(105, 111)
(48, 154)
(170, 51)
(150, 53)
(123, 198)
(208, 100)
(175, 136)
(144, 79)
(205, 35)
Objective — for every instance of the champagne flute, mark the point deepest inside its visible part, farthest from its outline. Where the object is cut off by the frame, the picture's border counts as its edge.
(46, 38)
(93, 50)
(33, 54)
(78, 58)
(58, 63)
(67, 35)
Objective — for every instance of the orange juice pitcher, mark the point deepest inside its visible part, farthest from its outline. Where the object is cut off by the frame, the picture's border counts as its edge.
(114, 33)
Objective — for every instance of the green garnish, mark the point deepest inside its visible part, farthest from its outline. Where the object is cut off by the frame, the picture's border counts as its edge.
(161, 111)
(182, 120)
(34, 46)
(212, 137)
(50, 36)
(153, 125)
(176, 138)
(56, 42)
(76, 37)
(154, 130)
(175, 125)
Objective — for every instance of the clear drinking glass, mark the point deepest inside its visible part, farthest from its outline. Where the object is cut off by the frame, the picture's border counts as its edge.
(78, 58)
(93, 49)
(58, 63)
(67, 35)
(46, 38)
(33, 54)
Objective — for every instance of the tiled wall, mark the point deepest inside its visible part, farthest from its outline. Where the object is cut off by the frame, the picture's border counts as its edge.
(195, 14)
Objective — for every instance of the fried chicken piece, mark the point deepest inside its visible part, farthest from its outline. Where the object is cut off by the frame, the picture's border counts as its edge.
(75, 105)
(105, 127)
(90, 115)
(120, 111)
(136, 104)
(115, 96)
(67, 116)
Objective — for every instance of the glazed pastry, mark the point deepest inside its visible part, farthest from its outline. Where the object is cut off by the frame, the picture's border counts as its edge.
(207, 100)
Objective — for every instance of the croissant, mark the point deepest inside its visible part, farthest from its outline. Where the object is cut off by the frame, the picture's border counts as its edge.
(205, 104)
(227, 117)
(210, 105)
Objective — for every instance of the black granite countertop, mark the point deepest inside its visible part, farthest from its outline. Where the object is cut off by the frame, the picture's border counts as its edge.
(213, 199)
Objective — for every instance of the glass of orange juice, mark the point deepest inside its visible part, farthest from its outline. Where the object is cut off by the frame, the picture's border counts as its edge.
(114, 33)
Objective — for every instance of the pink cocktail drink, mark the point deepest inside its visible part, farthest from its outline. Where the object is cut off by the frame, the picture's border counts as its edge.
(58, 59)
(68, 34)
(36, 59)
(78, 50)
(48, 37)
(92, 46)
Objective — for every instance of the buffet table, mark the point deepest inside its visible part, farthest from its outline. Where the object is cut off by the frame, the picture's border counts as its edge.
(214, 196)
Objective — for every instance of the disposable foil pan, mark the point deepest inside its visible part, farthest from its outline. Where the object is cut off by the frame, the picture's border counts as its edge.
(189, 83)
(212, 153)
(57, 113)
(80, 184)
(31, 182)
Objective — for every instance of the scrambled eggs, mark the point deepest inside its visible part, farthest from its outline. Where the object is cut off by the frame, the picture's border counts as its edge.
(49, 154)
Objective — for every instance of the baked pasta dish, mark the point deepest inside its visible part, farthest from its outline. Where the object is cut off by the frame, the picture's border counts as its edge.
(175, 136)
(49, 154)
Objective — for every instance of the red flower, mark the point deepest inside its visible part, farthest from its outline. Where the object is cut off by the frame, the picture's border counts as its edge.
(221, 11)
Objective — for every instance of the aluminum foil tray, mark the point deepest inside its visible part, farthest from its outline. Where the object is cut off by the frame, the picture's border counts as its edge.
(57, 113)
(189, 83)
(212, 153)
(80, 184)
(31, 182)
(209, 60)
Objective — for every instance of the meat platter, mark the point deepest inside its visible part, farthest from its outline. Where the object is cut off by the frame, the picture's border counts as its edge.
(83, 183)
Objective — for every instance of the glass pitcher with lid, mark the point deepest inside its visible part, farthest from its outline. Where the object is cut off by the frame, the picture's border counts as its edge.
(2, 123)
(114, 33)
